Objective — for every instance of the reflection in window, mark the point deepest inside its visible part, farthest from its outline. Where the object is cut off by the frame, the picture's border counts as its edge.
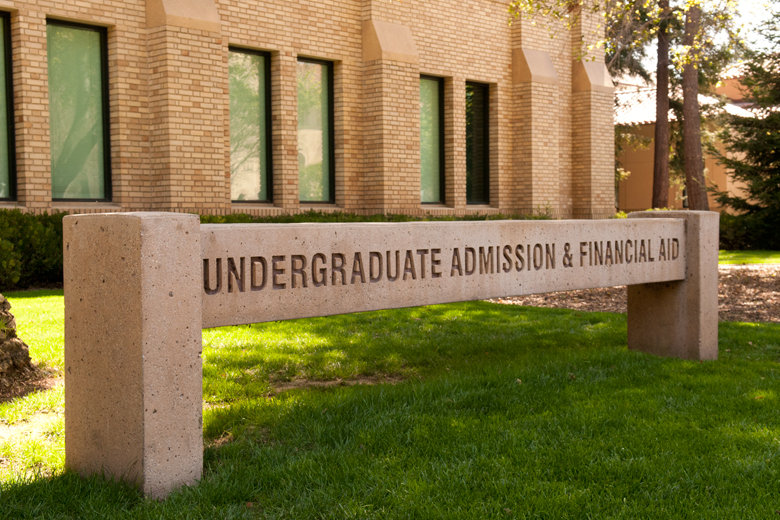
(78, 112)
(7, 159)
(477, 147)
(431, 140)
(315, 131)
(249, 126)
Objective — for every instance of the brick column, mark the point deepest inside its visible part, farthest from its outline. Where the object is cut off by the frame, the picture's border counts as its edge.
(391, 139)
(455, 142)
(536, 130)
(592, 129)
(284, 111)
(188, 91)
(593, 145)
(31, 110)
(501, 141)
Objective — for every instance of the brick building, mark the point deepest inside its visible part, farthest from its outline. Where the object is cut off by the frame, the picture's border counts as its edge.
(220, 106)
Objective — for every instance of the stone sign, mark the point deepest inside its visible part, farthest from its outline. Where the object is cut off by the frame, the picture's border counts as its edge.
(262, 272)
(139, 287)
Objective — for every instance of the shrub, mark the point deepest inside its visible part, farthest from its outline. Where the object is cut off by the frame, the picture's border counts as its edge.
(30, 249)
(338, 216)
(10, 264)
(749, 231)
(31, 245)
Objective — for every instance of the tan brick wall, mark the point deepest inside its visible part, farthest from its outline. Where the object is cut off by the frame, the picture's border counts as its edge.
(170, 123)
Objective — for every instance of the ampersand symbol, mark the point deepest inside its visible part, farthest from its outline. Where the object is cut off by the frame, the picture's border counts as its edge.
(567, 255)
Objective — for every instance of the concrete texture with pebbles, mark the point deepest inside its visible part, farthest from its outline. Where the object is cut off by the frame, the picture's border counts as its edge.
(139, 287)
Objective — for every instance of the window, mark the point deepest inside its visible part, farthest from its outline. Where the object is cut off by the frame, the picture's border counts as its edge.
(431, 140)
(7, 155)
(316, 179)
(477, 143)
(78, 112)
(250, 126)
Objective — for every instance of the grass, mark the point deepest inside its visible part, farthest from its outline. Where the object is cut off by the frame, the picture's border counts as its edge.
(40, 317)
(502, 412)
(749, 257)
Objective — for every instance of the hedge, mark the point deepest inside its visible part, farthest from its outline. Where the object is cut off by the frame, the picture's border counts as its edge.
(31, 245)
(30, 249)
(338, 216)
(749, 231)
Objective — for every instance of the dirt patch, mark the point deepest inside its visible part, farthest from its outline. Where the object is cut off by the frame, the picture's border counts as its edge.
(36, 381)
(34, 427)
(748, 293)
(283, 386)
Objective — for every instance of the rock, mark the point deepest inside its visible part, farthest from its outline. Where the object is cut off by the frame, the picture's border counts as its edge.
(14, 353)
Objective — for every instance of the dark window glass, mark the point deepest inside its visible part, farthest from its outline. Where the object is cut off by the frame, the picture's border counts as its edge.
(250, 126)
(477, 143)
(78, 112)
(316, 175)
(7, 159)
(431, 140)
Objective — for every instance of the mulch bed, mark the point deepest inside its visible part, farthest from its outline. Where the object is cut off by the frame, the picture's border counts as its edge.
(745, 293)
(22, 385)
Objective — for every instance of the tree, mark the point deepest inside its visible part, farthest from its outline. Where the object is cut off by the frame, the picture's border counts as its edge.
(661, 144)
(629, 26)
(694, 158)
(753, 150)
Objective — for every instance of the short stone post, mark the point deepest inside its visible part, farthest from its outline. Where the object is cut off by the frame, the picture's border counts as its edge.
(133, 374)
(680, 319)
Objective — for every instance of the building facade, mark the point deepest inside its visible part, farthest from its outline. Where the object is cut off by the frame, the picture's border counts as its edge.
(266, 107)
(635, 110)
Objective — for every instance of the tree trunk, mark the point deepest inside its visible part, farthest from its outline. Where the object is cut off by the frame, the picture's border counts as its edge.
(694, 162)
(661, 152)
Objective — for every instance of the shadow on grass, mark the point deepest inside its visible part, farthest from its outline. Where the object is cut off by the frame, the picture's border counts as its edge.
(622, 435)
(246, 362)
(541, 413)
(66, 496)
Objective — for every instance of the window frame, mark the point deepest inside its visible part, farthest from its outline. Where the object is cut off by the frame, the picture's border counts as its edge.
(331, 131)
(442, 148)
(104, 78)
(485, 87)
(5, 19)
(268, 123)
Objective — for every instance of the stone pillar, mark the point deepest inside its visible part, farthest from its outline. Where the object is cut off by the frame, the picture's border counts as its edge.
(391, 138)
(133, 374)
(188, 85)
(680, 319)
(536, 130)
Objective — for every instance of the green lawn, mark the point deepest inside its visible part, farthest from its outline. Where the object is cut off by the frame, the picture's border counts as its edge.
(497, 412)
(749, 257)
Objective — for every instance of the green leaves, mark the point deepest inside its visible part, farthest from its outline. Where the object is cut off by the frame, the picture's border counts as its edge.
(30, 248)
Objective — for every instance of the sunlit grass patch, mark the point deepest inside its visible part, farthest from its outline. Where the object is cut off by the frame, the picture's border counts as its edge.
(23, 408)
(749, 257)
(40, 318)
